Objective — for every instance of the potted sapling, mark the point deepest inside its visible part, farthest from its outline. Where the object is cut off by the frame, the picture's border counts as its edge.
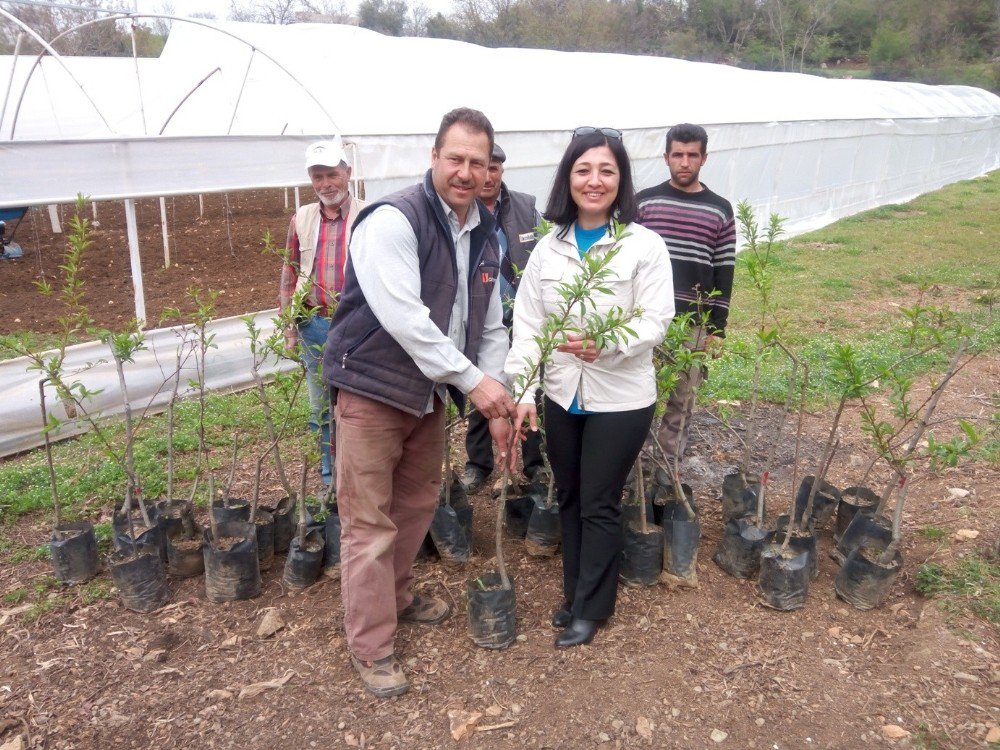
(874, 563)
(232, 562)
(642, 553)
(73, 544)
(743, 538)
(447, 531)
(681, 526)
(756, 259)
(306, 548)
(491, 596)
(543, 536)
(784, 571)
(138, 568)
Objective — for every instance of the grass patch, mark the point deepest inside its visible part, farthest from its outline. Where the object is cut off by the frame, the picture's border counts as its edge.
(15, 596)
(934, 533)
(30, 554)
(97, 589)
(969, 585)
(86, 477)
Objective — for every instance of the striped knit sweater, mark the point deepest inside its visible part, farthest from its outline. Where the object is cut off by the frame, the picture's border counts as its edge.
(700, 234)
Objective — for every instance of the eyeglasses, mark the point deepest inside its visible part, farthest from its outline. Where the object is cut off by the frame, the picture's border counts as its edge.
(589, 130)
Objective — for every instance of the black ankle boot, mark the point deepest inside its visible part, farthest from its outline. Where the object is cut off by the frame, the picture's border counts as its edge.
(578, 633)
(562, 617)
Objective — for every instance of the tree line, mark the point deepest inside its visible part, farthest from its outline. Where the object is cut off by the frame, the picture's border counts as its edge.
(957, 41)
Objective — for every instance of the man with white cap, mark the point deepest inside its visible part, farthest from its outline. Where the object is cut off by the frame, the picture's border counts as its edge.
(316, 257)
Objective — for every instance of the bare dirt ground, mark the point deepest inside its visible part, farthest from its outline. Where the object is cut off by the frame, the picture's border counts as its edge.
(671, 670)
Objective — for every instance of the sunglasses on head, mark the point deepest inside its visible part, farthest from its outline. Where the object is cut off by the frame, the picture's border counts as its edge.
(606, 132)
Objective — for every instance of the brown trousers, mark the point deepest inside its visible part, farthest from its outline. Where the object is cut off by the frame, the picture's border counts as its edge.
(388, 482)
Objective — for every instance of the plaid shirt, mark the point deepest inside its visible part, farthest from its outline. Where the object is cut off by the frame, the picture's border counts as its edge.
(328, 267)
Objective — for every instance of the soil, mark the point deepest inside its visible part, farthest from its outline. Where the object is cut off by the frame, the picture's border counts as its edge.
(226, 543)
(699, 668)
(200, 253)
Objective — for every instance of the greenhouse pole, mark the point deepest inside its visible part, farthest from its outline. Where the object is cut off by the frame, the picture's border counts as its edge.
(163, 227)
(132, 229)
(54, 218)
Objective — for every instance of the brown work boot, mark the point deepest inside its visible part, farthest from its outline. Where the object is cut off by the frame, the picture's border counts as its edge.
(426, 610)
(382, 677)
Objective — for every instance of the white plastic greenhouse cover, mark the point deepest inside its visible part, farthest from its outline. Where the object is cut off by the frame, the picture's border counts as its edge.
(809, 148)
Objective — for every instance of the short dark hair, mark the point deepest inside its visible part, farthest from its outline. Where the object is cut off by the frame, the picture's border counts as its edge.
(473, 119)
(562, 210)
(688, 133)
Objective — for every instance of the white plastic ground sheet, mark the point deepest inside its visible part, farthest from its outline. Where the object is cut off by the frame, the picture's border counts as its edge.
(149, 379)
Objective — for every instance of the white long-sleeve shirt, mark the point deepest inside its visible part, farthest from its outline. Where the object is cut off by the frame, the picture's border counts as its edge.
(384, 254)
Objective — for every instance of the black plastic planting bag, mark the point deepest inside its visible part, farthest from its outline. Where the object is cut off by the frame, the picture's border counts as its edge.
(283, 526)
(864, 581)
(824, 503)
(738, 552)
(176, 513)
(801, 541)
(783, 582)
(733, 485)
(146, 536)
(448, 535)
(331, 554)
(237, 510)
(642, 555)
(303, 564)
(543, 535)
(74, 552)
(863, 530)
(491, 612)
(744, 504)
(680, 547)
(852, 500)
(231, 567)
(185, 557)
(517, 511)
(141, 579)
(264, 522)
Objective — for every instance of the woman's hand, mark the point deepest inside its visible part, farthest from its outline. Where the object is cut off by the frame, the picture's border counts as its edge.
(579, 347)
(525, 412)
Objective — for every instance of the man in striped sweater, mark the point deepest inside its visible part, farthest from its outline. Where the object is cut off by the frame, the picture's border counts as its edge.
(698, 229)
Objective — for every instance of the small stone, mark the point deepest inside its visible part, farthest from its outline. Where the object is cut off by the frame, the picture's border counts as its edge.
(675, 712)
(270, 624)
(515, 708)
(966, 677)
(993, 735)
(894, 732)
(603, 737)
(964, 535)
(341, 725)
(15, 744)
(618, 724)
(521, 638)
(958, 492)
(857, 640)
(835, 632)
(718, 735)
(218, 695)
(644, 728)
(758, 721)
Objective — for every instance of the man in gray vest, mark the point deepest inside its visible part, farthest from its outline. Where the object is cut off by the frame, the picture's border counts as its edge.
(316, 254)
(516, 219)
(420, 317)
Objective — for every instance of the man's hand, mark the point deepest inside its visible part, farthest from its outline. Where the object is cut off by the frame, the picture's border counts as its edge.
(490, 397)
(291, 339)
(578, 346)
(503, 436)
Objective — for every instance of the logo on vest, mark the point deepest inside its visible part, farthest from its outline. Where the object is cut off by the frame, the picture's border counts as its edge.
(526, 237)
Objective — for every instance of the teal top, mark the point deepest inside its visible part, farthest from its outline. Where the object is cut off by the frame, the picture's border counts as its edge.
(585, 239)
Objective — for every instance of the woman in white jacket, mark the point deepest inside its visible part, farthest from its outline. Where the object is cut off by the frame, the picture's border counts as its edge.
(598, 403)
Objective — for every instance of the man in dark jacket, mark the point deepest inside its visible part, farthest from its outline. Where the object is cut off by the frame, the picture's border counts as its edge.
(516, 218)
(420, 316)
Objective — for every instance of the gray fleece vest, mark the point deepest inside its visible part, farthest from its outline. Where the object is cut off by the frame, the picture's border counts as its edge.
(360, 356)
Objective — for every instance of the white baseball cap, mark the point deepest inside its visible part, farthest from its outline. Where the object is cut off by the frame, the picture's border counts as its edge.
(325, 154)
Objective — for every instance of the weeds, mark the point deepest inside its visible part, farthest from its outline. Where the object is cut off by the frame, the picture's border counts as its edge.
(971, 584)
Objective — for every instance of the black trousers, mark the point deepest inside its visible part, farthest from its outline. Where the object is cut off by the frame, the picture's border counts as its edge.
(591, 455)
(479, 446)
